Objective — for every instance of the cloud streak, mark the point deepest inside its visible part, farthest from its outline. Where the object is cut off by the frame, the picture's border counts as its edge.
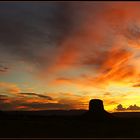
(38, 95)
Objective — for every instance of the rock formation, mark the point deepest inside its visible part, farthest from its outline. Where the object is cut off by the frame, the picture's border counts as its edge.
(96, 110)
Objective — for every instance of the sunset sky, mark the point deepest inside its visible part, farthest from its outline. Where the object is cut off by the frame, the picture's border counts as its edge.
(59, 55)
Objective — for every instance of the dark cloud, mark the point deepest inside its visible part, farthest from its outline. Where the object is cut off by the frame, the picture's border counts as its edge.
(34, 32)
(47, 105)
(120, 108)
(28, 29)
(38, 95)
(131, 107)
(136, 85)
(133, 32)
(3, 97)
(6, 103)
(3, 69)
(107, 94)
(10, 104)
(18, 104)
(6, 106)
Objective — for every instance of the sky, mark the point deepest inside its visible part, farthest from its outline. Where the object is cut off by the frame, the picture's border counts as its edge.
(59, 55)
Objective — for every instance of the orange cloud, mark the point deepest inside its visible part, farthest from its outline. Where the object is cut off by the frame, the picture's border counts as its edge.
(9, 88)
(101, 45)
(61, 80)
(21, 107)
(14, 90)
(116, 67)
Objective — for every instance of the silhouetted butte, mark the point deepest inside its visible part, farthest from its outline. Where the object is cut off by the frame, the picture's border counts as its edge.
(96, 110)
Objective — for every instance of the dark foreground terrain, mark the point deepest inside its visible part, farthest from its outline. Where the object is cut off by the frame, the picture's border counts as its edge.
(67, 124)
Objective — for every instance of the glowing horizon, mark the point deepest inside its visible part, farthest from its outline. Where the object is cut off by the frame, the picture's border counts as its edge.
(59, 55)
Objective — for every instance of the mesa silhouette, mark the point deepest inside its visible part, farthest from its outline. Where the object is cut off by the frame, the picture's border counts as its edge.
(96, 111)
